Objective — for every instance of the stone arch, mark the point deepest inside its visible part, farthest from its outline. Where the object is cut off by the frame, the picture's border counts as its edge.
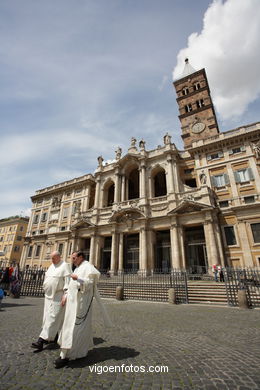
(132, 180)
(108, 193)
(158, 176)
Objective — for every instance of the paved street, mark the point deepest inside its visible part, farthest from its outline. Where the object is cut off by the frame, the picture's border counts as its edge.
(204, 347)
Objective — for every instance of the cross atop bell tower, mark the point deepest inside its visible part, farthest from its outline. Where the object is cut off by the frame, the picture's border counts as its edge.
(197, 114)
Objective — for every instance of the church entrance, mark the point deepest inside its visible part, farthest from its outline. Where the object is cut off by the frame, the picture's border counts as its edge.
(195, 250)
(131, 253)
(163, 251)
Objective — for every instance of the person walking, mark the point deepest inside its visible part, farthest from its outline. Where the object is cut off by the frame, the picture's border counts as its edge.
(55, 285)
(76, 338)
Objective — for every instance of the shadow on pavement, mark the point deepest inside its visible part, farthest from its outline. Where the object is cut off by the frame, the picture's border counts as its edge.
(98, 355)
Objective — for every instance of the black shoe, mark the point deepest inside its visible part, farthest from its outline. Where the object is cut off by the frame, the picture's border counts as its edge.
(59, 363)
(39, 344)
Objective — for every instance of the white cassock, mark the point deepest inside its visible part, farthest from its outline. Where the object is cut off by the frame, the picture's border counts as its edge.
(55, 282)
(76, 335)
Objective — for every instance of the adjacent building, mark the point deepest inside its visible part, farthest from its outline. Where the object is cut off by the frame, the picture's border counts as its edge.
(12, 235)
(161, 208)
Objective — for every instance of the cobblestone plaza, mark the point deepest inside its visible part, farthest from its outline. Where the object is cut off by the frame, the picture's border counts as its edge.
(203, 347)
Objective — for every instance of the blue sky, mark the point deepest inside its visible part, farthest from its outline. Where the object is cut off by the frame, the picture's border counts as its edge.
(78, 78)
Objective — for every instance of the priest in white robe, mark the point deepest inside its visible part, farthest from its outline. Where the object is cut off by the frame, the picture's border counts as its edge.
(55, 285)
(76, 335)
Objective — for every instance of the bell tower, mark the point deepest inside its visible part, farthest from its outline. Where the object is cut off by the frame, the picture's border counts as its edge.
(197, 114)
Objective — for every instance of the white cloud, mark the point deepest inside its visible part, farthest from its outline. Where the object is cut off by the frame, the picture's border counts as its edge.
(228, 47)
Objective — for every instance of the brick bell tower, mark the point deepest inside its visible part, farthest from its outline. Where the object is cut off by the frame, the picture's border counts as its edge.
(197, 114)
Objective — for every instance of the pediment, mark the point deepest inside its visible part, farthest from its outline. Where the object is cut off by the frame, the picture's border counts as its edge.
(129, 214)
(82, 223)
(129, 157)
(189, 206)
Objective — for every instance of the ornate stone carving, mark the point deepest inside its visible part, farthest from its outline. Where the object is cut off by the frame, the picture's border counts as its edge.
(167, 139)
(100, 161)
(118, 152)
(203, 177)
(256, 149)
(142, 144)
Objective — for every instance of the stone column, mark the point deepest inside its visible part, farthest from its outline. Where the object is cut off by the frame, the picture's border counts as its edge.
(122, 188)
(253, 166)
(92, 248)
(244, 239)
(98, 251)
(176, 176)
(233, 184)
(219, 243)
(175, 247)
(121, 252)
(143, 249)
(88, 191)
(97, 193)
(211, 245)
(142, 181)
(114, 253)
(169, 176)
(117, 188)
(151, 192)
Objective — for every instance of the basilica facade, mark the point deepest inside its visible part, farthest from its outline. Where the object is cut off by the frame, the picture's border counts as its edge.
(162, 208)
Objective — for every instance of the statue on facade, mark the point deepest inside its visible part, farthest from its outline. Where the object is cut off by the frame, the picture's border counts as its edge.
(142, 144)
(118, 152)
(167, 139)
(100, 161)
(256, 149)
(133, 142)
(203, 177)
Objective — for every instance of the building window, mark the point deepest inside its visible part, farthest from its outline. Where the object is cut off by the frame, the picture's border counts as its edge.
(219, 181)
(36, 218)
(65, 212)
(249, 199)
(238, 149)
(214, 156)
(188, 107)
(230, 235)
(30, 249)
(223, 203)
(200, 103)
(38, 251)
(243, 175)
(63, 228)
(256, 231)
(196, 86)
(185, 91)
(16, 248)
(60, 248)
(44, 217)
(19, 238)
(21, 228)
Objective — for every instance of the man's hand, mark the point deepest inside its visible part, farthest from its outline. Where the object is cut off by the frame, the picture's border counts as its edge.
(74, 276)
(63, 300)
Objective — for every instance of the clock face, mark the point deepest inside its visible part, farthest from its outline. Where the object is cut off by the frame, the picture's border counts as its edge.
(198, 127)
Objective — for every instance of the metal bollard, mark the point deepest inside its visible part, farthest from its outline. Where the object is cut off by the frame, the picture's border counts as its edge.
(242, 299)
(120, 293)
(172, 296)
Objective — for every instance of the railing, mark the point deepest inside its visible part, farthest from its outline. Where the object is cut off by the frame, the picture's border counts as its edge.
(146, 285)
(243, 279)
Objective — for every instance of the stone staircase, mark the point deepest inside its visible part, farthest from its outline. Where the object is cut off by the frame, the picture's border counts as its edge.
(208, 292)
(200, 292)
